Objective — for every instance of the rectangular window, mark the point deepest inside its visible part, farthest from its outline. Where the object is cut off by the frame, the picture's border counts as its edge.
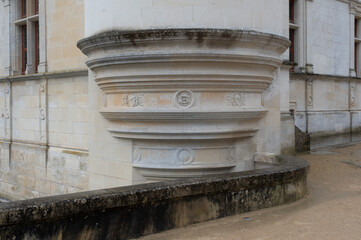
(24, 49)
(292, 11)
(356, 28)
(356, 57)
(36, 46)
(357, 43)
(23, 8)
(292, 47)
(27, 37)
(36, 6)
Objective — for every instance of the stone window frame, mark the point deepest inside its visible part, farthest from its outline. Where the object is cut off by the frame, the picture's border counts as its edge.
(355, 39)
(293, 32)
(299, 27)
(32, 19)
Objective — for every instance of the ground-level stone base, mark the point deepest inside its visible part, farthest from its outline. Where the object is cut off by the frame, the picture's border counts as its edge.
(125, 212)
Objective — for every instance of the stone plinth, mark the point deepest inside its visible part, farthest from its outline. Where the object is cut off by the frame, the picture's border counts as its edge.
(184, 97)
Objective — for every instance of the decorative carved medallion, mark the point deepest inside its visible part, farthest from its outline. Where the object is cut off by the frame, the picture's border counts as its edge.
(7, 114)
(137, 155)
(184, 98)
(42, 87)
(236, 99)
(231, 154)
(185, 156)
(42, 114)
(133, 100)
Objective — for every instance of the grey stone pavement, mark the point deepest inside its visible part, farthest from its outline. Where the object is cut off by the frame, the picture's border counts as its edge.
(331, 210)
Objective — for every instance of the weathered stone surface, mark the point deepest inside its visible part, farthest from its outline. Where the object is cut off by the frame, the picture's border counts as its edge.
(125, 212)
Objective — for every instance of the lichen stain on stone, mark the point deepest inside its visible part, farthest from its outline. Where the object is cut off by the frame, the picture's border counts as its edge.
(189, 35)
(201, 36)
(226, 34)
(193, 211)
(154, 34)
(75, 153)
(87, 234)
(131, 38)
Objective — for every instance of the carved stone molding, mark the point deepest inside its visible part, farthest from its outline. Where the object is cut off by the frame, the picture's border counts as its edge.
(352, 96)
(184, 96)
(42, 110)
(309, 92)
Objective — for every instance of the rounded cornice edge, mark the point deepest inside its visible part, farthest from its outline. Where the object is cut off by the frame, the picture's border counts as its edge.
(111, 38)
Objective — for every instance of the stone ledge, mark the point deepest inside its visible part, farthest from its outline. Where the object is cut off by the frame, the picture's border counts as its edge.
(134, 37)
(305, 76)
(138, 210)
(46, 75)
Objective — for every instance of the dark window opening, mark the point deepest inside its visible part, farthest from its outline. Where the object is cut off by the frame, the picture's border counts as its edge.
(24, 49)
(356, 47)
(292, 11)
(36, 6)
(356, 28)
(23, 8)
(36, 46)
(292, 47)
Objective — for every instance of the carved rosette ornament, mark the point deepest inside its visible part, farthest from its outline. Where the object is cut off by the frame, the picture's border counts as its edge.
(185, 97)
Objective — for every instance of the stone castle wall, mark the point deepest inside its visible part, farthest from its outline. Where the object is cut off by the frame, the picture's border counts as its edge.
(44, 135)
(326, 105)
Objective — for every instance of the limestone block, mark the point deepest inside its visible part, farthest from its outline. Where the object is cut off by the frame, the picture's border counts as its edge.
(62, 51)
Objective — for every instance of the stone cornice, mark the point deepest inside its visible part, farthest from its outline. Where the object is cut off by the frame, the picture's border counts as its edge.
(304, 76)
(184, 115)
(112, 38)
(194, 135)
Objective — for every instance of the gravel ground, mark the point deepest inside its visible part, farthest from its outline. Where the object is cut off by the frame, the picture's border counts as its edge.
(331, 210)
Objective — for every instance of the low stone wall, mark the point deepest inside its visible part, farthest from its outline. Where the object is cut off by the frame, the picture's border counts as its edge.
(133, 211)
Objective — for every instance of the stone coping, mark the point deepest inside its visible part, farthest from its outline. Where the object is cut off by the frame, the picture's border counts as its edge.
(133, 37)
(142, 209)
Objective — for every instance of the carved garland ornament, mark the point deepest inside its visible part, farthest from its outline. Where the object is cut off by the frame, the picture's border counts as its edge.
(132, 100)
(236, 99)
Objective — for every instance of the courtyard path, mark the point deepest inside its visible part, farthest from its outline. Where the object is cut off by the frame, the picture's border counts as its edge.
(331, 210)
